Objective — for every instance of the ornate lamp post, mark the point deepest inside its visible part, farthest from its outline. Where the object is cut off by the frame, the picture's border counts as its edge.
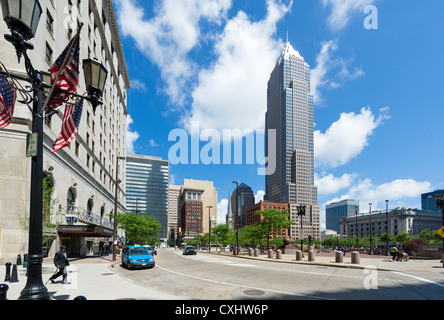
(370, 215)
(386, 228)
(209, 224)
(440, 204)
(22, 18)
(301, 214)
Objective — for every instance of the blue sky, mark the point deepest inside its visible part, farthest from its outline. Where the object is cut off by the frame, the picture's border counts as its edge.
(378, 92)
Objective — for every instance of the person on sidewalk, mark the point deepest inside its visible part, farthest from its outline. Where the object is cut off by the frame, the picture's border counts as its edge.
(61, 262)
(393, 251)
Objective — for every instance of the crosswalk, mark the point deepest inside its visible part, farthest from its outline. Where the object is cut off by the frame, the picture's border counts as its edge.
(209, 259)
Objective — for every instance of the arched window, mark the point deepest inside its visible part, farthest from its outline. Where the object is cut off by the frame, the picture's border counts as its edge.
(90, 206)
(71, 200)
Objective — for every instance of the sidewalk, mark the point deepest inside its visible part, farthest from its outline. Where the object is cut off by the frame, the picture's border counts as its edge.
(381, 263)
(91, 277)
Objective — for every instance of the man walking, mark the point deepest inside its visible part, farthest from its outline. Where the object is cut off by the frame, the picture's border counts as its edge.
(61, 262)
(393, 251)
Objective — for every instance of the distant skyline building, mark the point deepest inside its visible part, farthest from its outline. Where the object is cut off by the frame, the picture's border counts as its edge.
(337, 210)
(428, 201)
(246, 199)
(147, 182)
(229, 216)
(173, 210)
(290, 112)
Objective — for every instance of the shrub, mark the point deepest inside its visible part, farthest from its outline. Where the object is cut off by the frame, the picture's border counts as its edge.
(413, 245)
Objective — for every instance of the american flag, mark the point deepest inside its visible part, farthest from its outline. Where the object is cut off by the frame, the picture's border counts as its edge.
(69, 76)
(8, 97)
(70, 125)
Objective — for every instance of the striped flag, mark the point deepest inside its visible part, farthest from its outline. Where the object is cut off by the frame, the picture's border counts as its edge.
(65, 73)
(70, 125)
(8, 96)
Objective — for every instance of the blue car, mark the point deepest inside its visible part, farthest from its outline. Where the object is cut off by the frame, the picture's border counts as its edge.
(137, 257)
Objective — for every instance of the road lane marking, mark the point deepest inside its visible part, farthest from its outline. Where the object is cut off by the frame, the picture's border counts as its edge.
(241, 286)
(419, 278)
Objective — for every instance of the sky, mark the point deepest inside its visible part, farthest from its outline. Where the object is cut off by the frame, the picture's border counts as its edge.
(202, 66)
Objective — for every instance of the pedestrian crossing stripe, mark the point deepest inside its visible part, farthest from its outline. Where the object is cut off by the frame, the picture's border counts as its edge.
(441, 232)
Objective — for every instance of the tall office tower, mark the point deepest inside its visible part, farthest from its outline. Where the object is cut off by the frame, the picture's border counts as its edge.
(173, 210)
(82, 175)
(337, 210)
(246, 199)
(290, 112)
(147, 181)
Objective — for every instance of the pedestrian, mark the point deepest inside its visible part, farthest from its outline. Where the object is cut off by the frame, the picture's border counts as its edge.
(379, 252)
(393, 251)
(61, 262)
(107, 250)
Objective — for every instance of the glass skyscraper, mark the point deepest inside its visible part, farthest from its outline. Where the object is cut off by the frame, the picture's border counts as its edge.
(147, 181)
(337, 210)
(290, 112)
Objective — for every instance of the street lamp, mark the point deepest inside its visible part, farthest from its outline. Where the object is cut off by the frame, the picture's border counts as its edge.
(439, 198)
(95, 78)
(237, 216)
(209, 223)
(370, 215)
(387, 228)
(301, 214)
(22, 18)
(118, 181)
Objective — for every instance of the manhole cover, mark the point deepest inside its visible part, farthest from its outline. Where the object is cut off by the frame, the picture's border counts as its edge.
(254, 293)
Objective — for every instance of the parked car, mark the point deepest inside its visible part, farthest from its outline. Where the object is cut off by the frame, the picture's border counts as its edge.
(137, 257)
(189, 250)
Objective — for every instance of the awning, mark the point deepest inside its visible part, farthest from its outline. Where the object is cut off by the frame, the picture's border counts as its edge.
(85, 231)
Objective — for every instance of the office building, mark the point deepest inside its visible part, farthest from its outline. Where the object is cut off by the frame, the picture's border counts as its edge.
(428, 201)
(290, 113)
(83, 174)
(173, 211)
(337, 210)
(198, 208)
(147, 182)
(246, 199)
(252, 218)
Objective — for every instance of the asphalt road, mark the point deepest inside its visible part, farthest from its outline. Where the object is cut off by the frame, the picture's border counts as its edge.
(217, 277)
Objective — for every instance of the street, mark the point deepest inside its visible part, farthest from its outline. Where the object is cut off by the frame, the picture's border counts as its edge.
(219, 277)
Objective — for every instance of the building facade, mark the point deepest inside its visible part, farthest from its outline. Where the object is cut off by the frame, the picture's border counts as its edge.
(81, 175)
(394, 221)
(198, 206)
(290, 113)
(147, 188)
(252, 218)
(173, 211)
(428, 201)
(337, 210)
(246, 199)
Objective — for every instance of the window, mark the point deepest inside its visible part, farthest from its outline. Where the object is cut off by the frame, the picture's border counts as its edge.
(48, 54)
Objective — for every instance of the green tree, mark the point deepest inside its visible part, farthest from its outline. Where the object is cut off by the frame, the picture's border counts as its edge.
(403, 237)
(273, 223)
(221, 234)
(139, 229)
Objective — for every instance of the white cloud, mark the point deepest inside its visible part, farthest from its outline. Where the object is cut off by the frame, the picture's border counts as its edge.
(259, 196)
(236, 84)
(138, 85)
(400, 191)
(328, 184)
(346, 138)
(153, 143)
(168, 37)
(342, 10)
(131, 137)
(222, 208)
(321, 76)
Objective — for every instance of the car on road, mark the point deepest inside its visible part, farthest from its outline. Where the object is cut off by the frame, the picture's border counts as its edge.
(189, 250)
(137, 257)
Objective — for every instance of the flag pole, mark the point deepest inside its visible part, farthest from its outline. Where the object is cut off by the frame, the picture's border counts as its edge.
(62, 68)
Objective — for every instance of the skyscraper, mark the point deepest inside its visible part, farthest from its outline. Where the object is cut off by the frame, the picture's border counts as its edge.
(246, 199)
(147, 181)
(290, 112)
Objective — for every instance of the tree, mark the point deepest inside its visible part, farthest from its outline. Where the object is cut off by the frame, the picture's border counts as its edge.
(402, 237)
(50, 211)
(273, 222)
(139, 229)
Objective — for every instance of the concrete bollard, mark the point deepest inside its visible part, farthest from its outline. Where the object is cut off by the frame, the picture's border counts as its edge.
(279, 254)
(250, 252)
(355, 257)
(8, 271)
(298, 255)
(311, 255)
(256, 252)
(339, 257)
(3, 292)
(270, 253)
(19, 260)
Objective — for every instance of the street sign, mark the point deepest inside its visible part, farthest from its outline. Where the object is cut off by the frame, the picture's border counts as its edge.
(441, 232)
(32, 146)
